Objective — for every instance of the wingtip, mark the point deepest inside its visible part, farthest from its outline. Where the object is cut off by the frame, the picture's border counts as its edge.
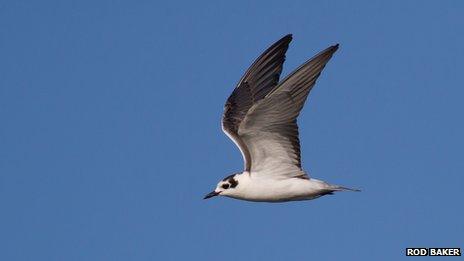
(332, 49)
(287, 38)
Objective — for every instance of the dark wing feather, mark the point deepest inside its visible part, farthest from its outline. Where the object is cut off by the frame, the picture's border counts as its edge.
(257, 82)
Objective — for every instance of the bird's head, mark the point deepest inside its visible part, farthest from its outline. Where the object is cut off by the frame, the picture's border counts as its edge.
(225, 187)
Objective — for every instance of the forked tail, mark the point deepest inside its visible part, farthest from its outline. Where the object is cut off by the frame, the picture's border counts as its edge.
(340, 188)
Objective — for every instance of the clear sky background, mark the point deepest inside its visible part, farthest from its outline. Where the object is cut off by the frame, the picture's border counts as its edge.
(110, 132)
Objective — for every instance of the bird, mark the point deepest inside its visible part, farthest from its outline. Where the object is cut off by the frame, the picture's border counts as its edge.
(260, 117)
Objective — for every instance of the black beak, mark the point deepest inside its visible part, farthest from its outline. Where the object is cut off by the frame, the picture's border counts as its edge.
(211, 194)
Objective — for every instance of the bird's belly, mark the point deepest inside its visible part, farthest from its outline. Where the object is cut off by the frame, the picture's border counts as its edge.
(279, 191)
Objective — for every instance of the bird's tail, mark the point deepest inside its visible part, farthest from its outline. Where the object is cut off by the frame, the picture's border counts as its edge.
(340, 188)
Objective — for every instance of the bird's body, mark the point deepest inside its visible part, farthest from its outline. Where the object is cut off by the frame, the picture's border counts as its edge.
(271, 190)
(260, 117)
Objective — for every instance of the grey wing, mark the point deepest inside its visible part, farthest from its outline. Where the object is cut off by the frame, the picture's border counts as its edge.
(260, 79)
(270, 129)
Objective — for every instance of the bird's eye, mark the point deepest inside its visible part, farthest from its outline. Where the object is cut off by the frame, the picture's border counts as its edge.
(225, 186)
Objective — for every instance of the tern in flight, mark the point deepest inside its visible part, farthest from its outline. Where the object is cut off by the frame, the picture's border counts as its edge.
(260, 116)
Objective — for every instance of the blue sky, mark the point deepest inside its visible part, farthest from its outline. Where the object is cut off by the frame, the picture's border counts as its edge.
(110, 130)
